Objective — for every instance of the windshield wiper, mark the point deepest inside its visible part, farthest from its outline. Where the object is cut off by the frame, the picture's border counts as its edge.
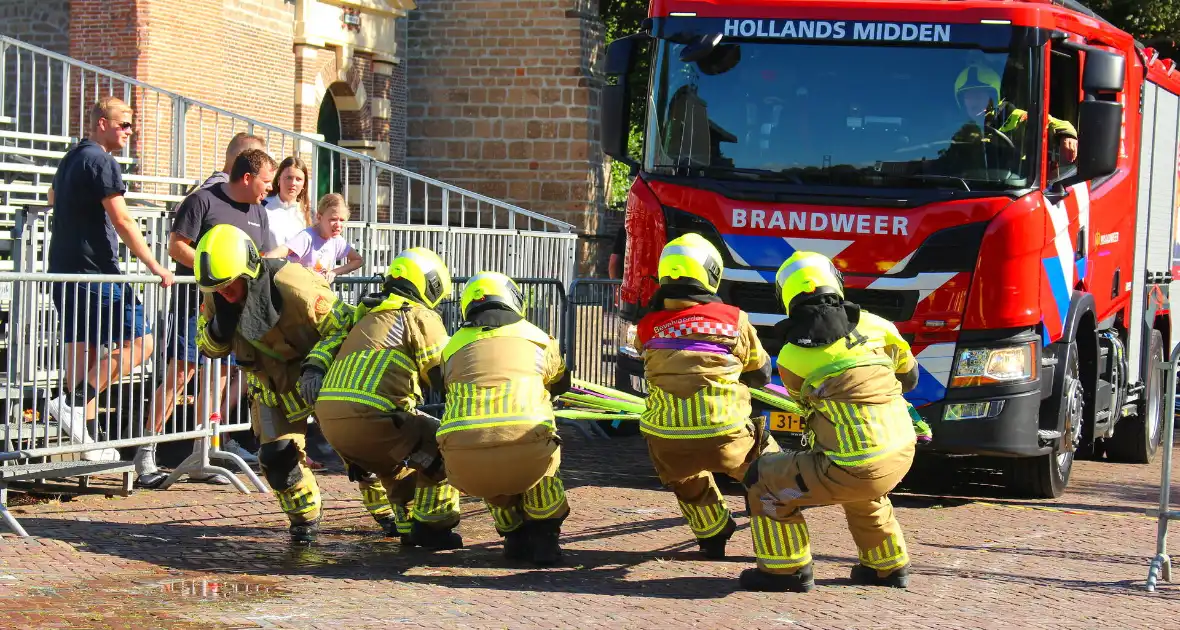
(924, 177)
(755, 174)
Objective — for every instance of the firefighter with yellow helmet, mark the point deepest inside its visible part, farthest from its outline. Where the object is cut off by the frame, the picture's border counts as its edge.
(366, 406)
(848, 368)
(700, 358)
(282, 323)
(498, 435)
(977, 91)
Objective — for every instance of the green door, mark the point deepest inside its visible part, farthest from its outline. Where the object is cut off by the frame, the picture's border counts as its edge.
(328, 178)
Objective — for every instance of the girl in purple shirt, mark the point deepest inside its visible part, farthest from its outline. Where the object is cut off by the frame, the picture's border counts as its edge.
(321, 246)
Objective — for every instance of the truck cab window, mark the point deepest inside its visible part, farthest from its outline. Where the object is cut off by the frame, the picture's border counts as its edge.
(866, 116)
(1064, 92)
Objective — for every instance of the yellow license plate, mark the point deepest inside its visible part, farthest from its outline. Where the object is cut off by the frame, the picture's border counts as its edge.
(783, 421)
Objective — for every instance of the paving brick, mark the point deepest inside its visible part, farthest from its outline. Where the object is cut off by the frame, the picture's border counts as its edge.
(199, 556)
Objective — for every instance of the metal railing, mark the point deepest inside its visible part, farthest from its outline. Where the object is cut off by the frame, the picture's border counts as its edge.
(592, 323)
(166, 392)
(45, 100)
(1161, 564)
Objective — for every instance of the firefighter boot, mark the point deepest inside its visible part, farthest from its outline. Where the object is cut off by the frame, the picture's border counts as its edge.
(800, 581)
(516, 543)
(543, 539)
(868, 576)
(714, 546)
(305, 533)
(432, 538)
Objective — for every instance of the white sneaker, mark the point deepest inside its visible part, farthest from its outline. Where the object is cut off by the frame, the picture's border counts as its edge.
(232, 446)
(101, 455)
(73, 422)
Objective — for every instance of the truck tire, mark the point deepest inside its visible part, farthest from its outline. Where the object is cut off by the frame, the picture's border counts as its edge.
(1136, 439)
(1046, 476)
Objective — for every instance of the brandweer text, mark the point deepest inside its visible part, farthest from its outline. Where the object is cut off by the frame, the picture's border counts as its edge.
(819, 222)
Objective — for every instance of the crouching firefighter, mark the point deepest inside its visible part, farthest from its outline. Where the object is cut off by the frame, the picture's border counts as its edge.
(271, 315)
(700, 358)
(498, 435)
(366, 406)
(848, 368)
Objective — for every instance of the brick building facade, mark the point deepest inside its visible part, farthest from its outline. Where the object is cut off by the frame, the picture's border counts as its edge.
(504, 101)
(498, 96)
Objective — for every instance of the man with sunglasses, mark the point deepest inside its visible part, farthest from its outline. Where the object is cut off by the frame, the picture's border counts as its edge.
(89, 218)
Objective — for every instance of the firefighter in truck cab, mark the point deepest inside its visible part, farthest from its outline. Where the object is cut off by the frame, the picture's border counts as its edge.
(977, 91)
(847, 368)
(700, 358)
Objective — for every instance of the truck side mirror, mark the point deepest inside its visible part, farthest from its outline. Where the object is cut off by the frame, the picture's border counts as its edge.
(1099, 130)
(1104, 71)
(616, 98)
(1100, 118)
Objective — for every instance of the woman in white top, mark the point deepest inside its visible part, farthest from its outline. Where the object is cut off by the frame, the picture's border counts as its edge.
(288, 209)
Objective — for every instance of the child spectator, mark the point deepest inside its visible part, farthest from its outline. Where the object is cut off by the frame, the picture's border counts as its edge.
(321, 246)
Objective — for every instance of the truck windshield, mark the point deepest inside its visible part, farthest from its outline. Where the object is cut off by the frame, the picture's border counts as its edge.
(847, 115)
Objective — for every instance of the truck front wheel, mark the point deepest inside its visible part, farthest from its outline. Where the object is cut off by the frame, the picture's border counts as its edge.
(1136, 439)
(1046, 476)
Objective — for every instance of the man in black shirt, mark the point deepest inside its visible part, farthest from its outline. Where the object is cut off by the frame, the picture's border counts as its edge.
(238, 203)
(89, 217)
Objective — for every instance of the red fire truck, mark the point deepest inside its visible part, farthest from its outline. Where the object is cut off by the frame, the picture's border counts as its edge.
(999, 178)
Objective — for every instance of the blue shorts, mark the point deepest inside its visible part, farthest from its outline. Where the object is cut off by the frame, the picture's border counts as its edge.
(182, 341)
(99, 313)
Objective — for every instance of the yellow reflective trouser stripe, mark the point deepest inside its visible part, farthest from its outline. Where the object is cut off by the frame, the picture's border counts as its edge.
(710, 412)
(292, 404)
(487, 422)
(865, 434)
(376, 500)
(302, 498)
(545, 499)
(507, 519)
(889, 555)
(401, 517)
(434, 504)
(780, 545)
(705, 520)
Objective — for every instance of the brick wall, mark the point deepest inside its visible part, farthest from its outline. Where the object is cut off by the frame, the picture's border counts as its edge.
(503, 100)
(44, 23)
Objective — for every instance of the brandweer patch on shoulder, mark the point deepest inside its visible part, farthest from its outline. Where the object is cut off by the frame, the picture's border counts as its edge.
(323, 305)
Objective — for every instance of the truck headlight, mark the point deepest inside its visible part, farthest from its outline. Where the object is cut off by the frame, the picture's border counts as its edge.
(988, 366)
(626, 338)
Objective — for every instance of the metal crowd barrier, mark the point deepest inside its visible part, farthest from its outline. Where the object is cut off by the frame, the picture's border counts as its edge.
(1161, 564)
(42, 364)
(162, 395)
(592, 323)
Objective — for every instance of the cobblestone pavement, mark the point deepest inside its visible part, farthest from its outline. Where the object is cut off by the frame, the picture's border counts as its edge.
(200, 556)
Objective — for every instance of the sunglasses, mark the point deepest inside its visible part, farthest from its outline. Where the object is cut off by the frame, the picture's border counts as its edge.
(124, 125)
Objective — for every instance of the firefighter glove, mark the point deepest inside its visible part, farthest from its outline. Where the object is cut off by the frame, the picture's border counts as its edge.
(310, 382)
(226, 315)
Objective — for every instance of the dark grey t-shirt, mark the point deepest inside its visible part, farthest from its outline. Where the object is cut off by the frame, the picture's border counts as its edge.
(84, 240)
(211, 206)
